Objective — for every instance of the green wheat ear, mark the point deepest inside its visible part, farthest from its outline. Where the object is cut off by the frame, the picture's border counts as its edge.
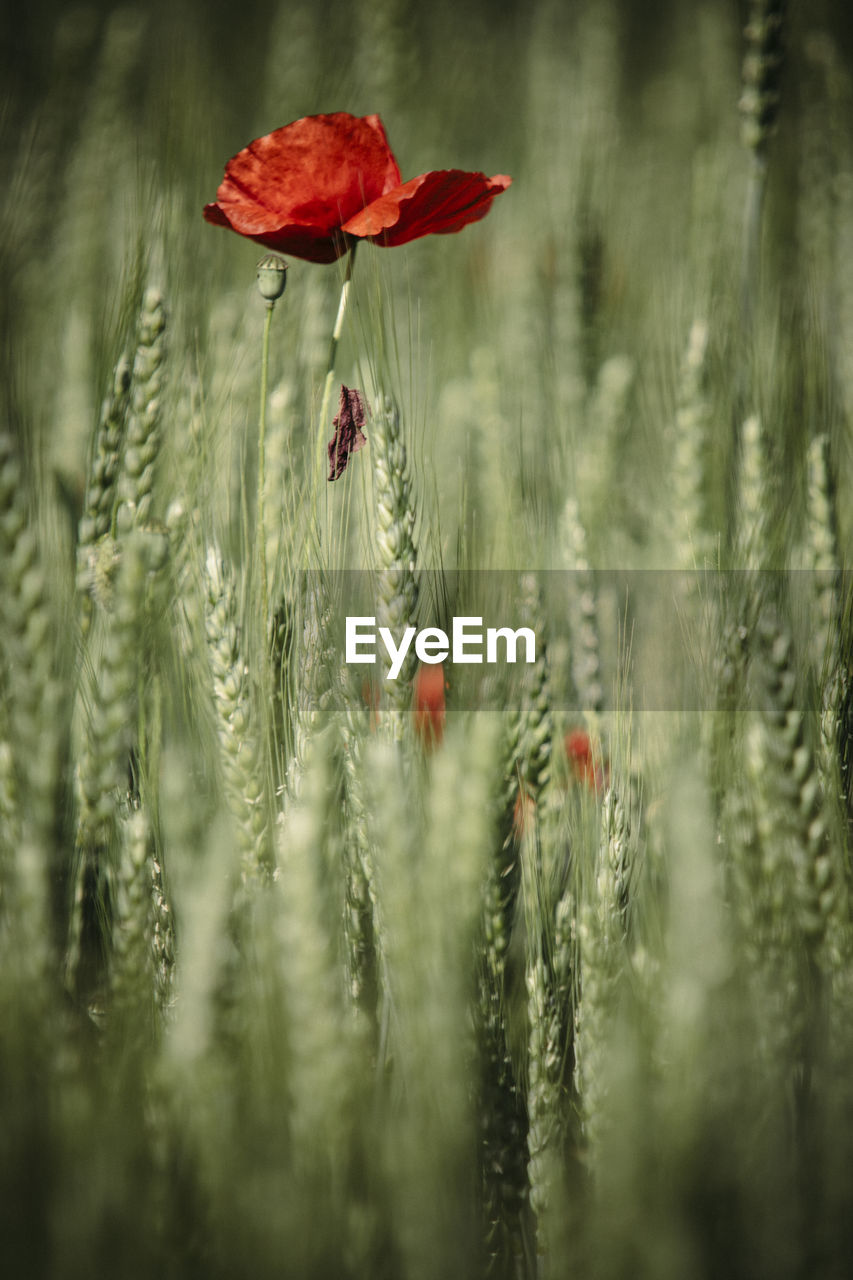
(603, 931)
(237, 722)
(801, 921)
(601, 470)
(396, 552)
(583, 612)
(132, 976)
(502, 1103)
(362, 919)
(740, 595)
(824, 560)
(693, 546)
(795, 823)
(762, 70)
(753, 496)
(537, 721)
(826, 616)
(429, 871)
(142, 438)
(30, 680)
(104, 779)
(551, 975)
(31, 700)
(324, 1046)
(314, 684)
(101, 496)
(759, 105)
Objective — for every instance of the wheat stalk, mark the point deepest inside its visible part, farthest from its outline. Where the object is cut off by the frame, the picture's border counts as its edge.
(236, 717)
(583, 612)
(104, 782)
(99, 502)
(397, 557)
(502, 1101)
(691, 541)
(759, 105)
(36, 695)
(142, 433)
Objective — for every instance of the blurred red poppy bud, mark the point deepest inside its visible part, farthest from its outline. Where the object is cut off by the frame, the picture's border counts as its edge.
(370, 696)
(524, 812)
(585, 761)
(429, 704)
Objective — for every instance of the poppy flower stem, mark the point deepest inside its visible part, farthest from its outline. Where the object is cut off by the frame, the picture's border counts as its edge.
(272, 278)
(262, 433)
(330, 368)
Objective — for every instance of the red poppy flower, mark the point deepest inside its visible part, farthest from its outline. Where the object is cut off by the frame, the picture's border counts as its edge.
(585, 761)
(429, 704)
(312, 187)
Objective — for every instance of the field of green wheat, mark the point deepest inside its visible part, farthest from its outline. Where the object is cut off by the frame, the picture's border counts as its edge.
(525, 971)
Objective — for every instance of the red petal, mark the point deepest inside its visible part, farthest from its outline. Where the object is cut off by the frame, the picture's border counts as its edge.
(429, 704)
(578, 745)
(439, 202)
(292, 189)
(312, 244)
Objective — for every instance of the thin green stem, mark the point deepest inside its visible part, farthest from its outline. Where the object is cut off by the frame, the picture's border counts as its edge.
(330, 376)
(262, 431)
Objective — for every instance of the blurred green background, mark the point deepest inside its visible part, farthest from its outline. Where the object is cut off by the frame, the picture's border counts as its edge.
(574, 374)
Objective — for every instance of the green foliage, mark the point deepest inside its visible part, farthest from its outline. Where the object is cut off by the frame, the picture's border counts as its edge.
(564, 986)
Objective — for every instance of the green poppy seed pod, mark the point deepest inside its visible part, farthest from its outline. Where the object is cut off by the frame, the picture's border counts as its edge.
(272, 277)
